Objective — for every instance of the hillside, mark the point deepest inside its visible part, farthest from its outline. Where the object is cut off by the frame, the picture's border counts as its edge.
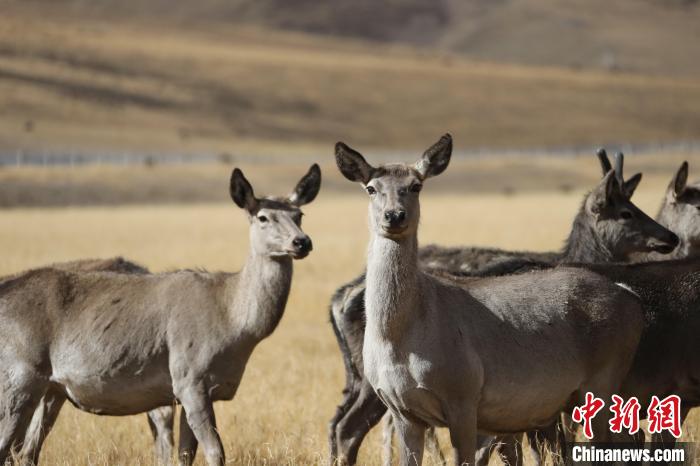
(72, 82)
(656, 36)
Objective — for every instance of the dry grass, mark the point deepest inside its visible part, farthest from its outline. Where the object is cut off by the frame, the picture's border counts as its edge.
(69, 82)
(294, 378)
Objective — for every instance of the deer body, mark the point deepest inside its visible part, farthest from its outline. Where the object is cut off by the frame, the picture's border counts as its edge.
(670, 294)
(120, 343)
(173, 338)
(516, 385)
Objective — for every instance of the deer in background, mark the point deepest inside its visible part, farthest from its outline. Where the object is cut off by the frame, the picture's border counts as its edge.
(667, 361)
(607, 227)
(500, 354)
(680, 212)
(121, 343)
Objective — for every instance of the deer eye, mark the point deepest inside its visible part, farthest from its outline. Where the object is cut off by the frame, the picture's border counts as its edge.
(416, 188)
(626, 214)
(262, 219)
(371, 190)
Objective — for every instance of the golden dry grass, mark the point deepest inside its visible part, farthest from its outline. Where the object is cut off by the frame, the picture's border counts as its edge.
(294, 378)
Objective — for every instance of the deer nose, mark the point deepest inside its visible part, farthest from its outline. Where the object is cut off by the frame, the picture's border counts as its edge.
(395, 217)
(302, 244)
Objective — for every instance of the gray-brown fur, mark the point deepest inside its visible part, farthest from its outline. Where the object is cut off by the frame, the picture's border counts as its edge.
(118, 344)
(588, 241)
(680, 212)
(667, 361)
(160, 420)
(429, 347)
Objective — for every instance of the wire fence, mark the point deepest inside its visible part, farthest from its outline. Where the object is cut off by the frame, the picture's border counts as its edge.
(19, 157)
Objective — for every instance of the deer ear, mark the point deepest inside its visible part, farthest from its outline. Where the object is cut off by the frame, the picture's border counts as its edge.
(603, 193)
(679, 180)
(307, 188)
(242, 192)
(630, 185)
(436, 159)
(351, 164)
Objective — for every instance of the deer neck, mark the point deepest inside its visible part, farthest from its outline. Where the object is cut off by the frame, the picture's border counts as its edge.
(687, 245)
(260, 294)
(392, 285)
(584, 244)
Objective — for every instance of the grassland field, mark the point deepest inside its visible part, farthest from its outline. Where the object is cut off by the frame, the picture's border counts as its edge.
(294, 379)
(86, 83)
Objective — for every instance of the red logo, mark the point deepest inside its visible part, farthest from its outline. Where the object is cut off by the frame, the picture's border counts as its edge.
(585, 414)
(625, 415)
(662, 415)
(665, 415)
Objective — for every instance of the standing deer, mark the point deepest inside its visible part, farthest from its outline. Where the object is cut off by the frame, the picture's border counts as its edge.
(607, 227)
(160, 420)
(503, 354)
(120, 344)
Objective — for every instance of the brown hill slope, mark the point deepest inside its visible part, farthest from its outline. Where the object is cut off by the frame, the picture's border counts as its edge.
(76, 81)
(659, 36)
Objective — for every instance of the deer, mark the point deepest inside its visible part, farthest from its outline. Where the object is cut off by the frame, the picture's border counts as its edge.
(122, 344)
(666, 361)
(444, 353)
(160, 420)
(680, 212)
(620, 238)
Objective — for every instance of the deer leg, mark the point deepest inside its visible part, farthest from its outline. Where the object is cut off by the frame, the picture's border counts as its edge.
(364, 414)
(350, 394)
(431, 442)
(200, 417)
(42, 422)
(187, 448)
(463, 434)
(20, 395)
(161, 420)
(411, 437)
